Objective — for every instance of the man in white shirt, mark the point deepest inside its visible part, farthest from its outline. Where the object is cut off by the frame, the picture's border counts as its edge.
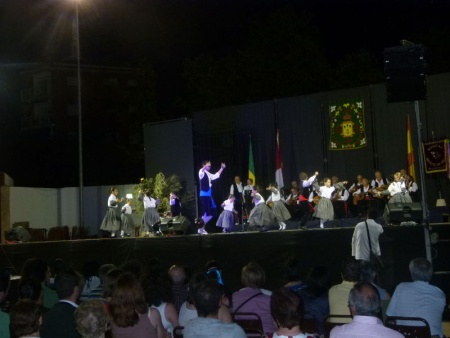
(360, 240)
(237, 189)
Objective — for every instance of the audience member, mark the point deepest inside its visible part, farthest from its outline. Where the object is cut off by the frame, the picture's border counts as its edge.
(338, 294)
(59, 321)
(108, 285)
(97, 292)
(38, 269)
(287, 310)
(92, 281)
(91, 319)
(419, 298)
(214, 271)
(360, 240)
(365, 307)
(294, 269)
(129, 312)
(4, 288)
(208, 298)
(59, 265)
(30, 288)
(132, 266)
(315, 294)
(368, 274)
(158, 294)
(179, 285)
(188, 310)
(250, 298)
(25, 319)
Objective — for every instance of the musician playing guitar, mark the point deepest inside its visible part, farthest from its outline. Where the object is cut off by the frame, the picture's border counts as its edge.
(379, 189)
(363, 196)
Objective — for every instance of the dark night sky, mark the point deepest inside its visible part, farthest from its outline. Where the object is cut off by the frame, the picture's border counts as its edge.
(166, 32)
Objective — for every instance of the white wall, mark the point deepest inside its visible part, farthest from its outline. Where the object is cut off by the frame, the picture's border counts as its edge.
(39, 206)
(46, 208)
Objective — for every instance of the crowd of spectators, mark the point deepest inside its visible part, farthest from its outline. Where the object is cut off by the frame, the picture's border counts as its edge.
(149, 299)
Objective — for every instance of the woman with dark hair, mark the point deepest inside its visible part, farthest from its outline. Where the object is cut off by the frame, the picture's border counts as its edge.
(111, 221)
(92, 281)
(129, 312)
(287, 311)
(25, 319)
(38, 269)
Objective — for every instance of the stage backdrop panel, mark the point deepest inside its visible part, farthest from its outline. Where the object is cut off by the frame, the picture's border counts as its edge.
(169, 149)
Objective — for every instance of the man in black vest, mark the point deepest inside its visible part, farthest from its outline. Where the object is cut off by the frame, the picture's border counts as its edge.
(206, 199)
(237, 190)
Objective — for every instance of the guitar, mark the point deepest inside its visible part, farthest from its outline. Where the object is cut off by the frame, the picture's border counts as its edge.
(378, 191)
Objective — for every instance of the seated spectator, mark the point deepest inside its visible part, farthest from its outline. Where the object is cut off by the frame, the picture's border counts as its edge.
(39, 270)
(91, 319)
(158, 294)
(365, 307)
(179, 285)
(59, 322)
(315, 294)
(129, 312)
(287, 310)
(208, 298)
(109, 282)
(250, 298)
(213, 271)
(4, 288)
(97, 292)
(25, 319)
(132, 266)
(338, 294)
(188, 310)
(419, 298)
(92, 281)
(368, 274)
(59, 265)
(293, 272)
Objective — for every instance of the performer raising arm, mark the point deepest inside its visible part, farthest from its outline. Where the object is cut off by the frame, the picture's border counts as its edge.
(324, 209)
(206, 199)
(306, 188)
(281, 212)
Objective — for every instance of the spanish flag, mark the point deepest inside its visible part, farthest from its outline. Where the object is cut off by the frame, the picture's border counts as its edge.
(251, 164)
(410, 149)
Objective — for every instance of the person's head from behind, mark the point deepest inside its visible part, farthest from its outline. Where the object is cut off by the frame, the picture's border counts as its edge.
(372, 213)
(127, 301)
(110, 281)
(207, 298)
(318, 280)
(213, 271)
(364, 300)
(420, 269)
(287, 308)
(194, 282)
(36, 268)
(91, 319)
(351, 270)
(90, 269)
(253, 275)
(368, 272)
(30, 288)
(67, 285)
(293, 269)
(104, 269)
(25, 318)
(177, 274)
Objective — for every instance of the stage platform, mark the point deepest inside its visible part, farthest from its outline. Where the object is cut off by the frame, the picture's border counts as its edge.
(271, 249)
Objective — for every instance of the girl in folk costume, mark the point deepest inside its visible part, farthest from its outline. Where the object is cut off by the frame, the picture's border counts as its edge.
(127, 219)
(279, 209)
(151, 216)
(111, 221)
(324, 209)
(226, 218)
(398, 190)
(261, 214)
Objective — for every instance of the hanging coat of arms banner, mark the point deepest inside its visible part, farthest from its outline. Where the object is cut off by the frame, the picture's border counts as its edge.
(347, 126)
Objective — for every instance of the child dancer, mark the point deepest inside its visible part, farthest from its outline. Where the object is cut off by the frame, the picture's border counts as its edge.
(127, 219)
(261, 215)
(226, 218)
(281, 212)
(151, 216)
(324, 209)
(175, 205)
(111, 221)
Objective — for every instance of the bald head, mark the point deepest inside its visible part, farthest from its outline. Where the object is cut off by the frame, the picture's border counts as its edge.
(364, 300)
(177, 274)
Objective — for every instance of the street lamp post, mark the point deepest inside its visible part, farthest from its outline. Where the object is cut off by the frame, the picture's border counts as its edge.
(80, 118)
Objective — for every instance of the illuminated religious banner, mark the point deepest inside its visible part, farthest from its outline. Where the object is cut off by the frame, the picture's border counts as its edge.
(347, 126)
(435, 154)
